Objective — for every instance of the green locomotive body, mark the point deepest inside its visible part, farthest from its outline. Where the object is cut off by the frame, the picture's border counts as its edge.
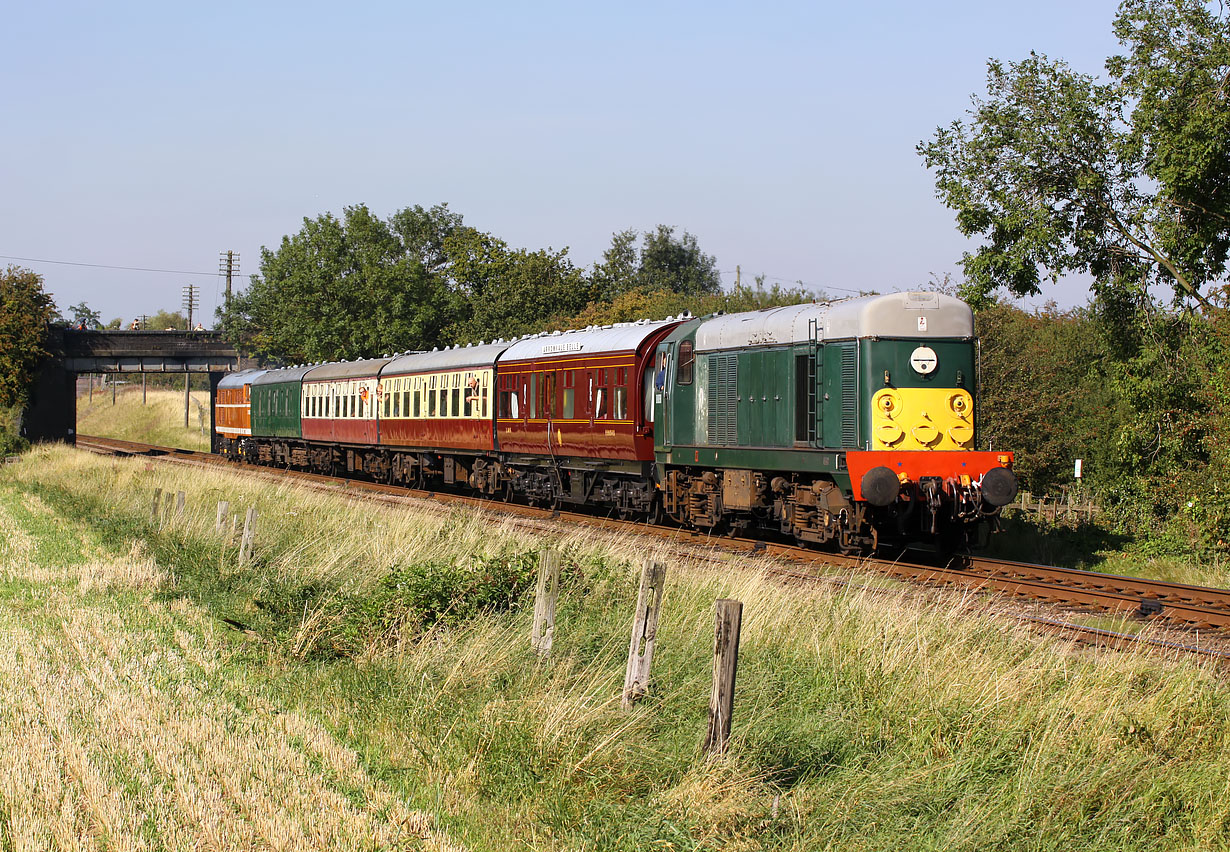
(780, 416)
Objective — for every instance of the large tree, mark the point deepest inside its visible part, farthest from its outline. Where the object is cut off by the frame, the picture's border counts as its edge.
(1126, 179)
(25, 311)
(664, 261)
(346, 288)
(507, 292)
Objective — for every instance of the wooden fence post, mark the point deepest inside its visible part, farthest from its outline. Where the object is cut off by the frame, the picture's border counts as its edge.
(249, 533)
(153, 509)
(725, 662)
(224, 509)
(644, 631)
(545, 597)
(179, 503)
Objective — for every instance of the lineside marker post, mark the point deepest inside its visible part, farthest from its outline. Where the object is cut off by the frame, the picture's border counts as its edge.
(224, 509)
(725, 662)
(546, 595)
(153, 509)
(644, 632)
(249, 533)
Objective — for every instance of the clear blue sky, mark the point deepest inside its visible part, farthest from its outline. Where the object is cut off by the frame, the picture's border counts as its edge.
(781, 134)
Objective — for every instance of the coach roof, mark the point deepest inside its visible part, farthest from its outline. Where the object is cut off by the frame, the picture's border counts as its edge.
(455, 358)
(342, 370)
(287, 374)
(620, 337)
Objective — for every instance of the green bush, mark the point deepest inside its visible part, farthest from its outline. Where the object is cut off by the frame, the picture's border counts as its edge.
(11, 441)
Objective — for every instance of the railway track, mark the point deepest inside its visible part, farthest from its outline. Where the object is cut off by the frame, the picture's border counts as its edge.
(1176, 606)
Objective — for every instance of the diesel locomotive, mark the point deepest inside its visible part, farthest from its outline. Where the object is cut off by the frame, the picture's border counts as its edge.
(850, 423)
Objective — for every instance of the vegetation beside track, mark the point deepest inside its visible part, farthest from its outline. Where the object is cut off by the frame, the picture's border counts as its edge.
(160, 420)
(862, 721)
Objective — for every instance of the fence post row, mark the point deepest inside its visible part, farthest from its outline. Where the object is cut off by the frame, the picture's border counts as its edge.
(644, 631)
(224, 509)
(542, 635)
(725, 663)
(153, 510)
(179, 503)
(249, 533)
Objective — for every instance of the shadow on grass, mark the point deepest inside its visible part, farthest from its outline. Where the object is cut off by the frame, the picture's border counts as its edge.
(1069, 545)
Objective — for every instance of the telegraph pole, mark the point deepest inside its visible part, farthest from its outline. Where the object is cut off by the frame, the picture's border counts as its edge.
(191, 299)
(228, 265)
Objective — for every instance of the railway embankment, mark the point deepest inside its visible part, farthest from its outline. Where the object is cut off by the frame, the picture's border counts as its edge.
(371, 663)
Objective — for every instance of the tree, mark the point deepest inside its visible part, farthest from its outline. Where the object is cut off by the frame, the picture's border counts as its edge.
(663, 261)
(25, 311)
(348, 288)
(166, 321)
(1126, 180)
(507, 292)
(82, 315)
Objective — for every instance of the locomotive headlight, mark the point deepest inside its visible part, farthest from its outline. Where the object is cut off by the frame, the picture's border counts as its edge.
(923, 360)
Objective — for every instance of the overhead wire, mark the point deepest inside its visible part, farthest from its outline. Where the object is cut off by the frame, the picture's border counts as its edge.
(107, 266)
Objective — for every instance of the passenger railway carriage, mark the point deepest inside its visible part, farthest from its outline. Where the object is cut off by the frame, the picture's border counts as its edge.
(573, 421)
(850, 423)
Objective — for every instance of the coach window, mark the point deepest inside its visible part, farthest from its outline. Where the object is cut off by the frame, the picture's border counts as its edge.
(455, 397)
(431, 396)
(549, 402)
(684, 375)
(569, 394)
(602, 399)
(620, 394)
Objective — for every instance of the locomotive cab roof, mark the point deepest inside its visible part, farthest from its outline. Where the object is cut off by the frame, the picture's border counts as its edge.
(240, 378)
(911, 314)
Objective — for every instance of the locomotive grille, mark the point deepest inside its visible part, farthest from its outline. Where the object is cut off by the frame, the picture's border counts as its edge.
(849, 395)
(723, 399)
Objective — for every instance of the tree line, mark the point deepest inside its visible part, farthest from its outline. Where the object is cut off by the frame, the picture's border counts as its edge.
(360, 286)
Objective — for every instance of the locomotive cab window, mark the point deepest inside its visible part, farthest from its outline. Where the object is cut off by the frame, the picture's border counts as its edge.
(683, 374)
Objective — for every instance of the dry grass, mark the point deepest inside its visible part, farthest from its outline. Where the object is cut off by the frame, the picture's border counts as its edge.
(124, 727)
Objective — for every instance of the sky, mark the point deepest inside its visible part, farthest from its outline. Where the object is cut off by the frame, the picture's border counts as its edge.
(781, 134)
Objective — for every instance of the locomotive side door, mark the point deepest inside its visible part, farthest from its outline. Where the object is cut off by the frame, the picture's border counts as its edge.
(661, 394)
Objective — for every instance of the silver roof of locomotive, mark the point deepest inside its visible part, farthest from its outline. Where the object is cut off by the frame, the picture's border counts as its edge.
(620, 337)
(890, 315)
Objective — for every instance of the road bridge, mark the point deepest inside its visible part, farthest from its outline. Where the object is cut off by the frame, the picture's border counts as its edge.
(52, 415)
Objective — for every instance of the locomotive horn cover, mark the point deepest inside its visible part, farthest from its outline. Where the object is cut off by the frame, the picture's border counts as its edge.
(880, 486)
(999, 486)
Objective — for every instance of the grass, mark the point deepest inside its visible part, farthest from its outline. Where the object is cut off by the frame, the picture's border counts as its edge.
(159, 421)
(380, 682)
